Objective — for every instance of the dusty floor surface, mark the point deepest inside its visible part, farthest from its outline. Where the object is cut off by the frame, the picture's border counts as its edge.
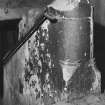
(87, 100)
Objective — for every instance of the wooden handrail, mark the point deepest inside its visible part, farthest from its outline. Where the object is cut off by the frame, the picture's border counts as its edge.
(37, 24)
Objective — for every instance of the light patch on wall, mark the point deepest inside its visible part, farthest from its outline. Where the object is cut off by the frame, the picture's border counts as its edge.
(7, 13)
(45, 25)
(68, 69)
(64, 5)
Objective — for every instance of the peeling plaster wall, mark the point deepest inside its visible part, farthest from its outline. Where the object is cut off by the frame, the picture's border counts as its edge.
(25, 77)
(14, 79)
(34, 76)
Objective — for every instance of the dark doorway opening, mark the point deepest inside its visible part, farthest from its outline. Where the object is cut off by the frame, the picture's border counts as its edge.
(8, 39)
(99, 51)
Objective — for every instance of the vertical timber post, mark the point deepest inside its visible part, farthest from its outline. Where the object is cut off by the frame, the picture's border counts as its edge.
(71, 41)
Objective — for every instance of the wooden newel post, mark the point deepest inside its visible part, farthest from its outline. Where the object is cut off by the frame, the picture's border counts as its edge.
(71, 45)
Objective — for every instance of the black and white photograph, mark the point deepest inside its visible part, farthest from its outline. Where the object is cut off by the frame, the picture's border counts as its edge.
(52, 52)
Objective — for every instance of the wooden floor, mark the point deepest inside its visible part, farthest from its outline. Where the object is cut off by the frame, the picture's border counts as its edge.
(87, 100)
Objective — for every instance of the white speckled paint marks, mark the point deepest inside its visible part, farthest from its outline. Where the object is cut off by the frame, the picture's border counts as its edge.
(36, 52)
(45, 25)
